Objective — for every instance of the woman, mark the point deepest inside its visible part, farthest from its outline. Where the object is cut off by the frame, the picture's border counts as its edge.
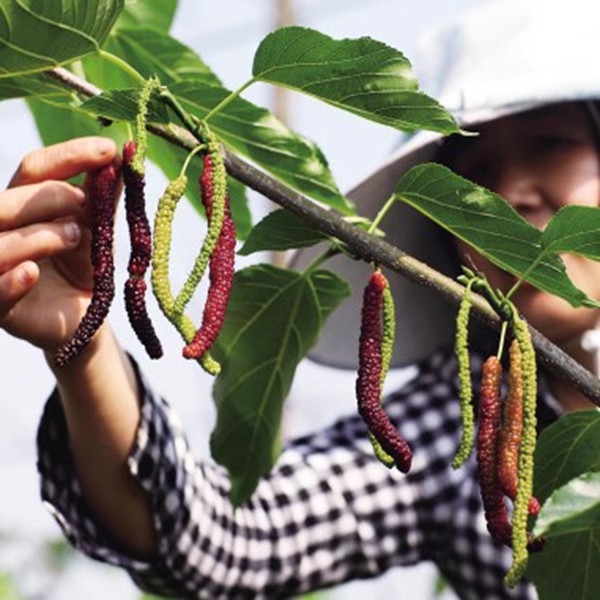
(116, 469)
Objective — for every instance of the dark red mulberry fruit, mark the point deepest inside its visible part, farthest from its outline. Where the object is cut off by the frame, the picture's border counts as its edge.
(368, 383)
(221, 272)
(141, 254)
(102, 187)
(496, 514)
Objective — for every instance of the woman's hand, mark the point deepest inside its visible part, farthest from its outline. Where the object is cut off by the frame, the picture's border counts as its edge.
(45, 271)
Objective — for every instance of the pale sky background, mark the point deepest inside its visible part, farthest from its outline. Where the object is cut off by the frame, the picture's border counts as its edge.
(225, 34)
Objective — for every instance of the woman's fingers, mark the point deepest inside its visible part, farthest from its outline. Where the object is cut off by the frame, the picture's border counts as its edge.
(15, 283)
(64, 160)
(39, 202)
(37, 241)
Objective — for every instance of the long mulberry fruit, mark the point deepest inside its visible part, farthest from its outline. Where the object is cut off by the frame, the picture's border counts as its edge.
(521, 539)
(221, 271)
(213, 182)
(368, 383)
(512, 429)
(141, 252)
(102, 187)
(465, 389)
(496, 514)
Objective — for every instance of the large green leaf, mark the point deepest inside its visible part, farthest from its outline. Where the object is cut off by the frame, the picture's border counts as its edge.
(151, 13)
(574, 229)
(150, 52)
(363, 76)
(281, 230)
(565, 450)
(36, 35)
(246, 128)
(30, 85)
(572, 508)
(567, 568)
(122, 105)
(249, 130)
(254, 132)
(489, 224)
(274, 317)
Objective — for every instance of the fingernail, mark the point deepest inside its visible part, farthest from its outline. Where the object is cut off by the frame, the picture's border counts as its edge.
(79, 195)
(24, 275)
(72, 232)
(105, 146)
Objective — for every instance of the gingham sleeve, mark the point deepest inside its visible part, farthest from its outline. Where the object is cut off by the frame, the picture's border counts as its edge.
(327, 512)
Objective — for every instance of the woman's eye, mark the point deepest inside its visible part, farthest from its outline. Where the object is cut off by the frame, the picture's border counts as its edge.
(549, 143)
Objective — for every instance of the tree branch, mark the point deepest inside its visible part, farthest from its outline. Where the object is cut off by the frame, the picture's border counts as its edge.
(364, 245)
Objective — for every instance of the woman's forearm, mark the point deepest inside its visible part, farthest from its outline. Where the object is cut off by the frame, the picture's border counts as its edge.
(100, 397)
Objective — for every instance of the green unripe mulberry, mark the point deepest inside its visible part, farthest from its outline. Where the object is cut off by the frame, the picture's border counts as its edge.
(465, 390)
(526, 451)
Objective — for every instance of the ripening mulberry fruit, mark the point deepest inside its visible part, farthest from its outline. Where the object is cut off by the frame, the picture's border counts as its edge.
(221, 271)
(368, 383)
(213, 184)
(512, 429)
(141, 252)
(496, 514)
(102, 188)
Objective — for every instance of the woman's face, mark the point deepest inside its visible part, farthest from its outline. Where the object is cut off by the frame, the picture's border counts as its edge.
(538, 161)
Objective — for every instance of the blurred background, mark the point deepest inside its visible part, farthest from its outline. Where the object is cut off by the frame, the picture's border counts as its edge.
(35, 563)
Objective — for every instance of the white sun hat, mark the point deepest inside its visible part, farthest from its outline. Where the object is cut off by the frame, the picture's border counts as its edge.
(504, 57)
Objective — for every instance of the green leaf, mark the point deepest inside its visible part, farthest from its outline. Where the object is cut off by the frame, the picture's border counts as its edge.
(363, 76)
(122, 105)
(567, 568)
(254, 132)
(30, 85)
(489, 224)
(565, 450)
(36, 35)
(240, 210)
(247, 129)
(151, 13)
(574, 229)
(281, 230)
(274, 317)
(57, 121)
(572, 508)
(150, 52)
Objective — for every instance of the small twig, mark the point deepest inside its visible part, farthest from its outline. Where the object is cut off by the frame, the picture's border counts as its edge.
(366, 246)
(73, 82)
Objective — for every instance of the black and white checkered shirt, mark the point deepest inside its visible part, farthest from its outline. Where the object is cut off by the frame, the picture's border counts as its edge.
(327, 513)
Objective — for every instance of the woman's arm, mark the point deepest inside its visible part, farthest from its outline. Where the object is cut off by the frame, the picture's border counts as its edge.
(45, 288)
(99, 396)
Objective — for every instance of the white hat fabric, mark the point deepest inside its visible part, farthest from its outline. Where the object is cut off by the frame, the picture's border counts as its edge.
(504, 57)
